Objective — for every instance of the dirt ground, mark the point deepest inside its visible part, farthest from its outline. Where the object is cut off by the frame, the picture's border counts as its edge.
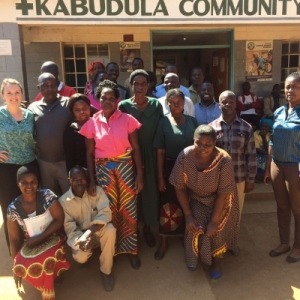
(252, 275)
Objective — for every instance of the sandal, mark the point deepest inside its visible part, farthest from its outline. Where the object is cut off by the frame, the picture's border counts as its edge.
(215, 274)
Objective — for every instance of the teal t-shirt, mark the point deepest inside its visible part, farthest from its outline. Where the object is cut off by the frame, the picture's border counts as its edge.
(17, 137)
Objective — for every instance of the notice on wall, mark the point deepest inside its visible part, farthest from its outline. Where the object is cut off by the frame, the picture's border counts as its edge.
(128, 51)
(5, 47)
(259, 60)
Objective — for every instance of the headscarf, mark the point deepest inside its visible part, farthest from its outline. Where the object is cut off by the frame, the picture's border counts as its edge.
(266, 121)
(91, 65)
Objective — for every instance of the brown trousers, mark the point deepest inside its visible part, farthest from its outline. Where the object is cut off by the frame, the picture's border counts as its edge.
(286, 186)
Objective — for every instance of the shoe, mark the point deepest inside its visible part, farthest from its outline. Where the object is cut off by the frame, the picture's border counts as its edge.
(108, 282)
(158, 255)
(291, 259)
(135, 261)
(215, 274)
(59, 280)
(235, 252)
(274, 253)
(149, 238)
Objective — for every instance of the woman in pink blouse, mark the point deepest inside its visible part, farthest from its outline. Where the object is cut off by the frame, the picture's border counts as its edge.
(114, 162)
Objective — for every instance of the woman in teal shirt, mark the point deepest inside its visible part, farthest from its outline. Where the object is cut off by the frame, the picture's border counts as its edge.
(16, 142)
(175, 132)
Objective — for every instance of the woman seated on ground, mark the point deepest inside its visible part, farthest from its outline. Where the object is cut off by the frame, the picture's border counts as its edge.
(175, 131)
(205, 187)
(38, 256)
(114, 158)
(74, 143)
(94, 67)
(262, 139)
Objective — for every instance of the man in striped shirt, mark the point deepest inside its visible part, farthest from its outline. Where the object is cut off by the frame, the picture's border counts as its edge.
(235, 136)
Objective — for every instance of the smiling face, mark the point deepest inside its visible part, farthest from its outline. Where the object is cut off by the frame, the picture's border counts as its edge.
(113, 72)
(108, 101)
(81, 111)
(171, 81)
(207, 93)
(292, 90)
(28, 184)
(204, 145)
(12, 94)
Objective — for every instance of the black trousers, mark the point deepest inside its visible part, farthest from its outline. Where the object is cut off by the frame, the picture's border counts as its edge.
(9, 189)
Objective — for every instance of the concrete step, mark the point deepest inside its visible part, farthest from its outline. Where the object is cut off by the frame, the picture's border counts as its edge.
(261, 192)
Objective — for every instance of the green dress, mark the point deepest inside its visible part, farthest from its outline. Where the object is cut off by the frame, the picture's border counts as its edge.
(148, 197)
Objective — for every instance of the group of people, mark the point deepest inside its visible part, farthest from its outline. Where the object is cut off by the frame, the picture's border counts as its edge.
(83, 169)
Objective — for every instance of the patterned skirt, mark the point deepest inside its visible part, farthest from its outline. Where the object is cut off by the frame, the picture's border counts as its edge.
(40, 265)
(200, 246)
(117, 178)
(171, 219)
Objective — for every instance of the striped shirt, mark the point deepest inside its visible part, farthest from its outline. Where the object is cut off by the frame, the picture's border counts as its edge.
(285, 137)
(237, 139)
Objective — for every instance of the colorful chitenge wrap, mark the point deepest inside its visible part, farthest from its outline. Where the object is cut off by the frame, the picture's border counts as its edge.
(116, 175)
(40, 265)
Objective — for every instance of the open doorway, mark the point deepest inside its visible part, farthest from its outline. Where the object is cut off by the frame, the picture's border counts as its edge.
(209, 50)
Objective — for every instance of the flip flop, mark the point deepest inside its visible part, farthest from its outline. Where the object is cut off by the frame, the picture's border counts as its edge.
(215, 274)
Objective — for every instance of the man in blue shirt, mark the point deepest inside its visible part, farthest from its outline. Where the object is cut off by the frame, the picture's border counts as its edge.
(160, 89)
(207, 109)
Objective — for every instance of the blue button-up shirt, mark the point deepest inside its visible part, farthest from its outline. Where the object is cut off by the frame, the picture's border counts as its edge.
(206, 114)
(160, 91)
(285, 137)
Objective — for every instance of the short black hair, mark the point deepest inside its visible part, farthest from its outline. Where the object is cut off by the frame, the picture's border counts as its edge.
(111, 63)
(138, 72)
(98, 73)
(152, 78)
(205, 130)
(78, 97)
(107, 84)
(24, 170)
(138, 58)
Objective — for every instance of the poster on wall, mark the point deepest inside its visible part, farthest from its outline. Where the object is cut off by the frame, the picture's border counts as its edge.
(259, 60)
(128, 51)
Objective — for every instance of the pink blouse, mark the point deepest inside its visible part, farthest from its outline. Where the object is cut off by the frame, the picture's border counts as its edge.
(110, 139)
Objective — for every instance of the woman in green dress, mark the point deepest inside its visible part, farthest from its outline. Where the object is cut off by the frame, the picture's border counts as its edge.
(147, 111)
(175, 132)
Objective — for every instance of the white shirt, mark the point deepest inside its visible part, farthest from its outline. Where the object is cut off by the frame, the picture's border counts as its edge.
(188, 108)
(248, 100)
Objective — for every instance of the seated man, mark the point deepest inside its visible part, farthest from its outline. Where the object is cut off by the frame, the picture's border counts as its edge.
(87, 224)
(62, 89)
(171, 81)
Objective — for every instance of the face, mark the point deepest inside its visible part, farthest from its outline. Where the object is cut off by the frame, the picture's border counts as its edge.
(277, 91)
(176, 104)
(137, 64)
(171, 82)
(100, 78)
(140, 85)
(207, 92)
(113, 72)
(246, 87)
(204, 145)
(228, 105)
(108, 101)
(171, 69)
(12, 94)
(197, 77)
(78, 181)
(292, 90)
(264, 128)
(97, 68)
(28, 184)
(81, 111)
(48, 88)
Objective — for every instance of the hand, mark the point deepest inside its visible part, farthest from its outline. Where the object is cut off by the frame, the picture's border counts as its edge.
(161, 184)
(211, 230)
(33, 241)
(139, 183)
(92, 189)
(191, 224)
(18, 281)
(249, 186)
(248, 106)
(84, 244)
(267, 177)
(3, 156)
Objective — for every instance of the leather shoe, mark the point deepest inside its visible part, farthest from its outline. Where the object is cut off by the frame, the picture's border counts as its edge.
(235, 252)
(108, 282)
(291, 259)
(158, 255)
(135, 261)
(274, 253)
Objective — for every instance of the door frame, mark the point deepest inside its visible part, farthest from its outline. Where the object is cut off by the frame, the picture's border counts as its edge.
(230, 46)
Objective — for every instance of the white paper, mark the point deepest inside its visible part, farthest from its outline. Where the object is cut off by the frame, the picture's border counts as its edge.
(38, 224)
(5, 47)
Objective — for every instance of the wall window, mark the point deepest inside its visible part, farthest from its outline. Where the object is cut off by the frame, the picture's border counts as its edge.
(290, 59)
(76, 58)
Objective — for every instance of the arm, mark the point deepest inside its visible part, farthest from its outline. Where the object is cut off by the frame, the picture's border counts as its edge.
(239, 105)
(57, 214)
(15, 244)
(137, 159)
(90, 161)
(256, 103)
(3, 156)
(70, 149)
(160, 169)
(267, 175)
